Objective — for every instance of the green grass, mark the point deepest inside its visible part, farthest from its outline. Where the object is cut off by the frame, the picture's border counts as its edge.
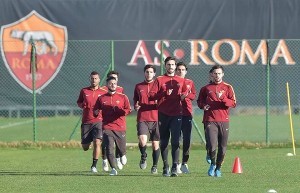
(242, 128)
(50, 129)
(67, 170)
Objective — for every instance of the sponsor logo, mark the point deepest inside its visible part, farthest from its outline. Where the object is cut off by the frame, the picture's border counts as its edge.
(50, 40)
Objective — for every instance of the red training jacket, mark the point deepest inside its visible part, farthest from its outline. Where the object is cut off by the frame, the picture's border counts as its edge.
(167, 90)
(148, 110)
(220, 97)
(187, 107)
(114, 109)
(86, 100)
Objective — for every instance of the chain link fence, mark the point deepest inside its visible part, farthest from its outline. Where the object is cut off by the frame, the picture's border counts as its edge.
(256, 85)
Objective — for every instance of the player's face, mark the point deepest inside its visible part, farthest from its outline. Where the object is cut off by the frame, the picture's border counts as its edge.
(95, 80)
(170, 67)
(112, 85)
(218, 75)
(181, 71)
(149, 74)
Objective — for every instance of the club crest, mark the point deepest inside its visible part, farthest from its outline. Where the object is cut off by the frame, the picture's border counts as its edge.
(50, 40)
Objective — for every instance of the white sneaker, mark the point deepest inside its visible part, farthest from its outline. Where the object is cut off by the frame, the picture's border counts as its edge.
(185, 169)
(119, 164)
(113, 172)
(94, 170)
(105, 165)
(178, 171)
(124, 160)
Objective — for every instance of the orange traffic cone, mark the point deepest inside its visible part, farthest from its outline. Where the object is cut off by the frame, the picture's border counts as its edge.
(237, 166)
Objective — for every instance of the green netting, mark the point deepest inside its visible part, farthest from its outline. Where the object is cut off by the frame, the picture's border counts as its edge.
(58, 114)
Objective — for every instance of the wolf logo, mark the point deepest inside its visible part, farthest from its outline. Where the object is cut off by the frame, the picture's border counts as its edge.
(45, 37)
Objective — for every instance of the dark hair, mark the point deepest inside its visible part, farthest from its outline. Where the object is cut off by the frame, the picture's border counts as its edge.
(94, 73)
(112, 72)
(110, 78)
(217, 66)
(150, 66)
(169, 58)
(181, 64)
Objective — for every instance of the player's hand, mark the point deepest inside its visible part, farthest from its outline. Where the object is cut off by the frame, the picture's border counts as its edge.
(163, 89)
(96, 112)
(84, 105)
(169, 91)
(182, 96)
(116, 108)
(137, 106)
(206, 107)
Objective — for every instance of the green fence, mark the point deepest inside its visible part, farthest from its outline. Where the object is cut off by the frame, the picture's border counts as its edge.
(258, 77)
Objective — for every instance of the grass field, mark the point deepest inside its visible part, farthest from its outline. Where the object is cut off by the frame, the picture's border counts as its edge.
(242, 128)
(42, 168)
(67, 170)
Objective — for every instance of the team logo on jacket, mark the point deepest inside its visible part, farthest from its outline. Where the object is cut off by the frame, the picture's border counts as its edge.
(50, 40)
(219, 94)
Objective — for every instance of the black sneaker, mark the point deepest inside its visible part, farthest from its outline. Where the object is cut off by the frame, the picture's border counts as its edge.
(174, 172)
(166, 172)
(154, 170)
(143, 164)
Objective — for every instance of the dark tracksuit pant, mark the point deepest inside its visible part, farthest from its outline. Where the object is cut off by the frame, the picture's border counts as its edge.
(169, 126)
(217, 135)
(110, 138)
(186, 129)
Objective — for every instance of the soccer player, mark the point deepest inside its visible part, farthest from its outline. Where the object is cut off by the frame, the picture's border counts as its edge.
(216, 99)
(187, 115)
(119, 89)
(147, 118)
(114, 106)
(91, 127)
(167, 90)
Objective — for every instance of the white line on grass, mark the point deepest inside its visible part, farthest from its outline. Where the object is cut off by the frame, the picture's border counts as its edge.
(15, 124)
